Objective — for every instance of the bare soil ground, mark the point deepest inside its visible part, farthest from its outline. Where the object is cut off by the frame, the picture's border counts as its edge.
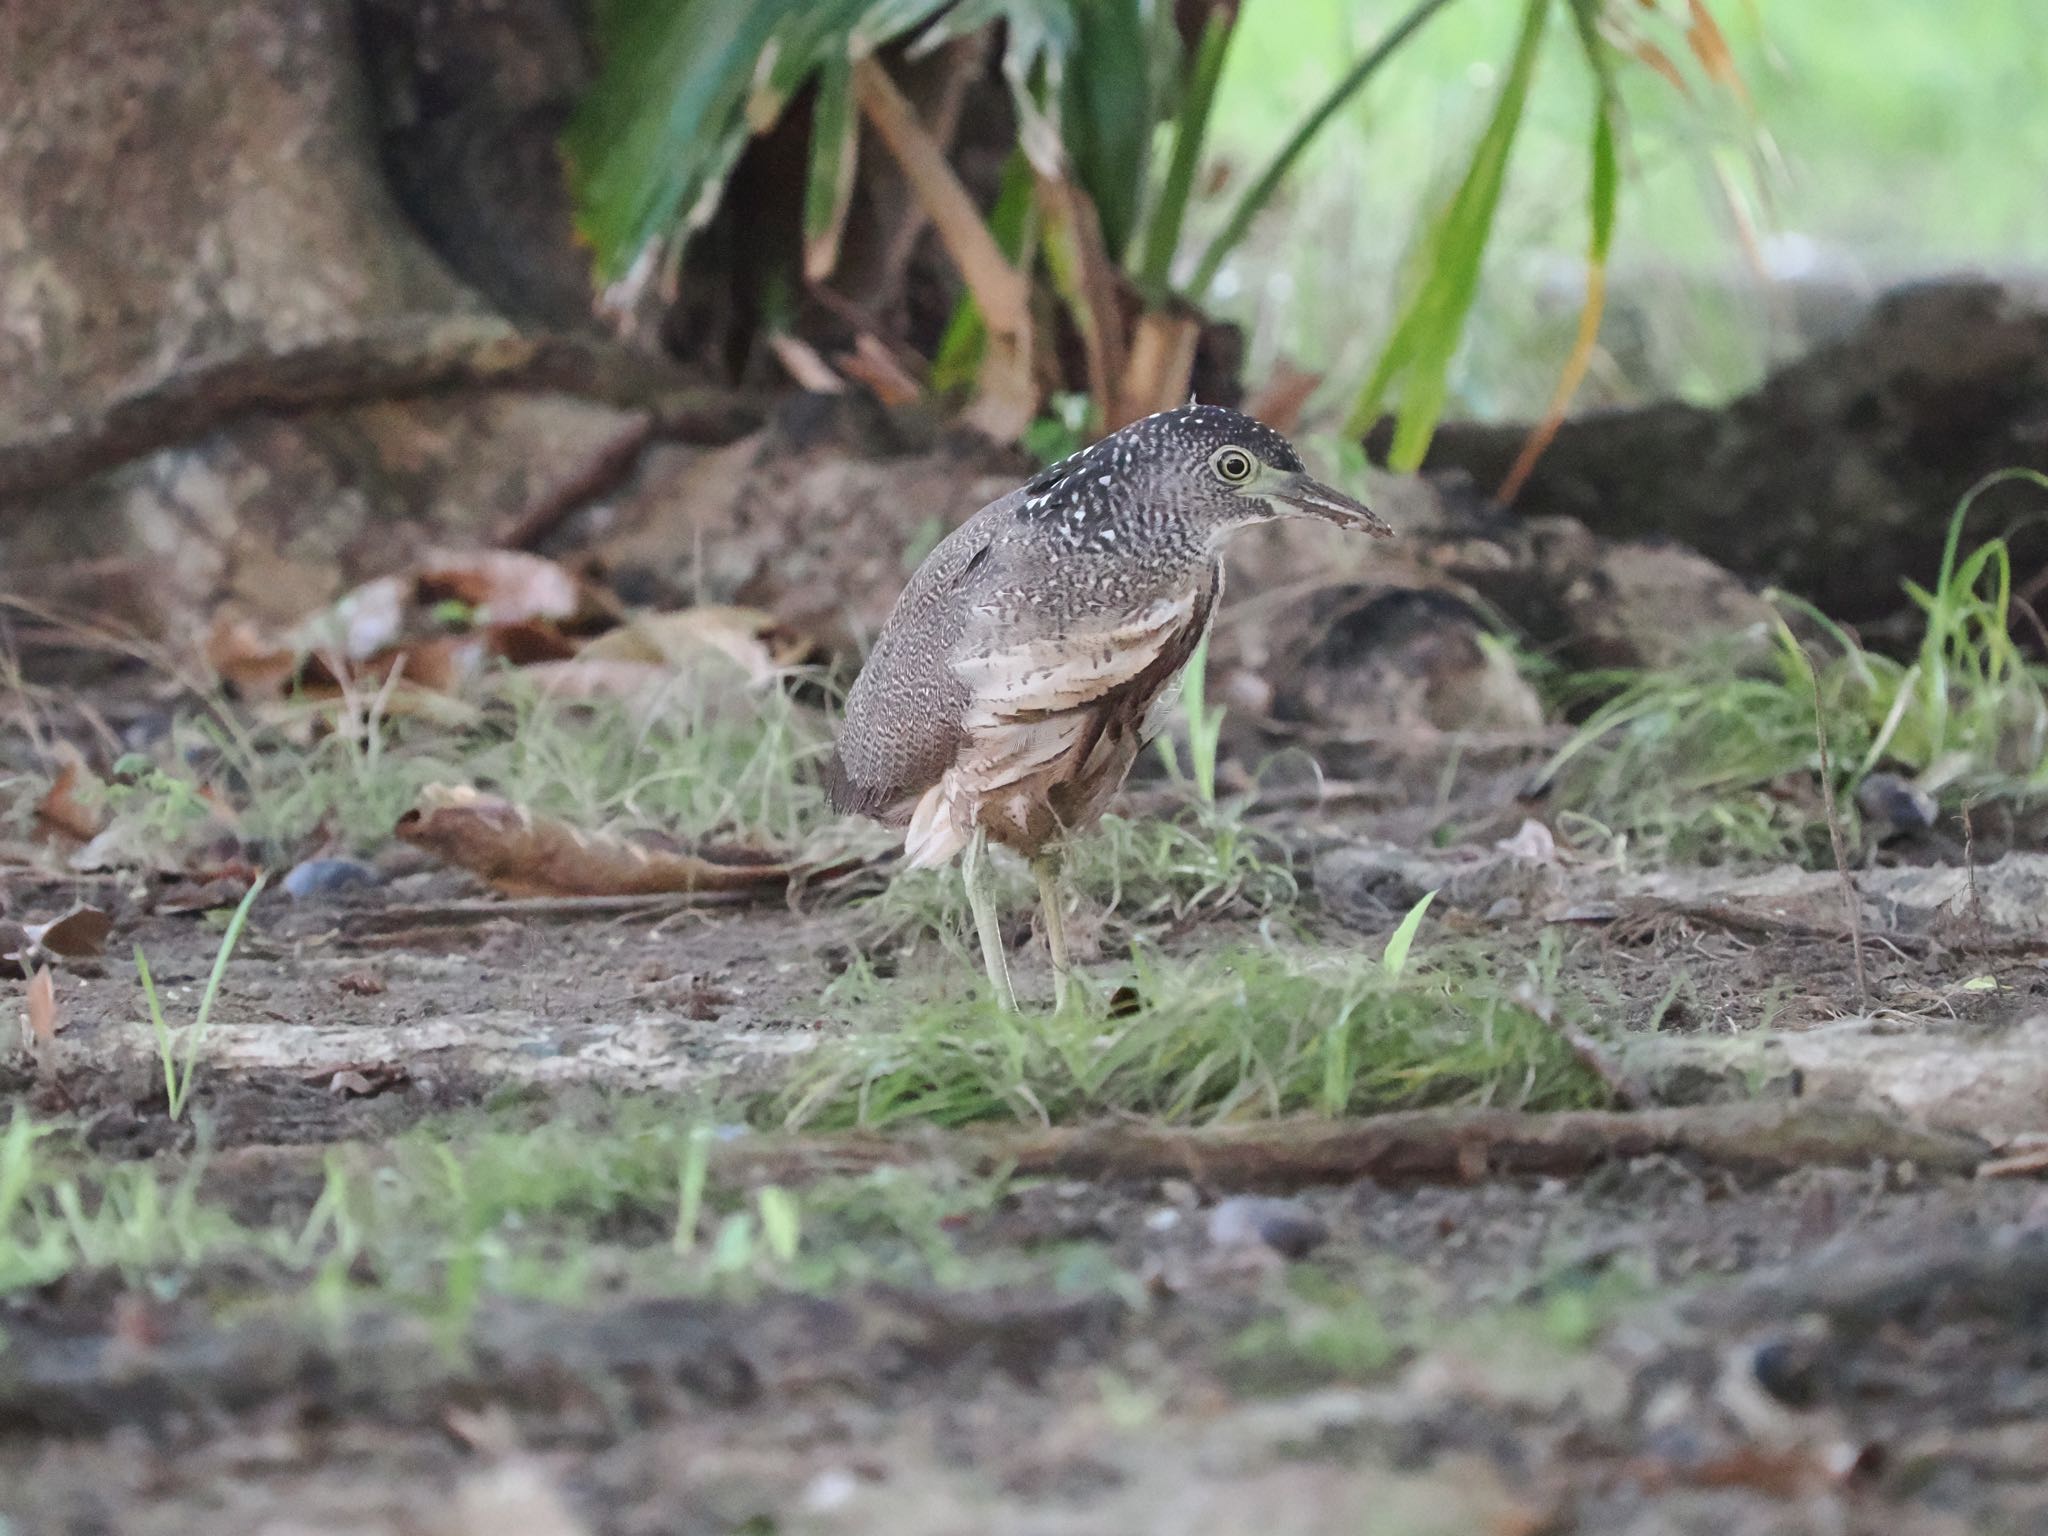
(1660, 1345)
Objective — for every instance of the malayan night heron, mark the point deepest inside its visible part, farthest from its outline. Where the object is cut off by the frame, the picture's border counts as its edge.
(1035, 651)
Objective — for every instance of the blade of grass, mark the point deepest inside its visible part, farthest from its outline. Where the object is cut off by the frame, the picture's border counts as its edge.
(828, 189)
(178, 1074)
(1190, 128)
(1205, 726)
(1394, 958)
(1107, 110)
(1262, 188)
(653, 131)
(166, 1049)
(1601, 199)
(1425, 338)
(781, 1222)
(195, 1038)
(690, 1178)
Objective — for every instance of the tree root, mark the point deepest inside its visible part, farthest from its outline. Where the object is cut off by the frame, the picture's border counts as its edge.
(426, 357)
(1428, 1146)
(1411, 1147)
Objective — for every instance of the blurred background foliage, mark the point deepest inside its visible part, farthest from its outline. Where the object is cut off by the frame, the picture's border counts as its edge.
(1402, 200)
(1869, 123)
(1124, 206)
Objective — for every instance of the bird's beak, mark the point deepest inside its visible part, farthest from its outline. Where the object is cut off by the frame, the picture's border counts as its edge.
(1299, 493)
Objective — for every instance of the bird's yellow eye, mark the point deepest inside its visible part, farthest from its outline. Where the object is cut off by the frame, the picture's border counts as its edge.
(1232, 465)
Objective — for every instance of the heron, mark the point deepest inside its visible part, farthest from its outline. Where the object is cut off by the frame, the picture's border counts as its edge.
(1039, 646)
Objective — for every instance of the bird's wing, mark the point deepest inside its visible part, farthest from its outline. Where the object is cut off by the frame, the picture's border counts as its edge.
(905, 712)
(1039, 709)
(1026, 680)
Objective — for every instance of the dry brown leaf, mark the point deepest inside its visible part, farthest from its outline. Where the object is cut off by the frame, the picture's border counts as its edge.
(501, 586)
(440, 664)
(584, 678)
(529, 641)
(2017, 1163)
(1781, 1472)
(60, 810)
(710, 659)
(748, 637)
(80, 934)
(39, 1018)
(515, 608)
(523, 854)
(488, 1431)
(362, 622)
(241, 654)
(207, 889)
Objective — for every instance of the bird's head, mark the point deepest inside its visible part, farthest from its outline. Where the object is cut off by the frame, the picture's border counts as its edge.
(1226, 469)
(1204, 465)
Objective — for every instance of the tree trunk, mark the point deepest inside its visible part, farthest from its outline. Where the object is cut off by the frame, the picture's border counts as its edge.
(195, 179)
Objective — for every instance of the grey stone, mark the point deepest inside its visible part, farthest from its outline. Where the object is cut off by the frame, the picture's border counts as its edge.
(1287, 1227)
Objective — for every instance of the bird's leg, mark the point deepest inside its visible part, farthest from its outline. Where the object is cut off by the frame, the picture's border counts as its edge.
(1047, 868)
(981, 898)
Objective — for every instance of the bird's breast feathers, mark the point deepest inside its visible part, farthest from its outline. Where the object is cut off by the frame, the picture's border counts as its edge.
(1009, 679)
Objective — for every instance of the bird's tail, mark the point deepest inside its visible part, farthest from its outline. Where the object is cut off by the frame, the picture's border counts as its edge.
(937, 829)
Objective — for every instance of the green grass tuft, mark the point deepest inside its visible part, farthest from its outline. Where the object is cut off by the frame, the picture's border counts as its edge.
(581, 1201)
(709, 764)
(1254, 1032)
(180, 1054)
(1719, 759)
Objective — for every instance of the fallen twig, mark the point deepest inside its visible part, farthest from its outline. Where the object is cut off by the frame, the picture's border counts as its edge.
(1426, 1146)
(1770, 925)
(1423, 1146)
(606, 471)
(1744, 921)
(489, 909)
(2016, 1163)
(424, 357)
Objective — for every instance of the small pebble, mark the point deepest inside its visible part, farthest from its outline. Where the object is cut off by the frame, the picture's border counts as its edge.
(1287, 1227)
(327, 877)
(1895, 807)
(1790, 1369)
